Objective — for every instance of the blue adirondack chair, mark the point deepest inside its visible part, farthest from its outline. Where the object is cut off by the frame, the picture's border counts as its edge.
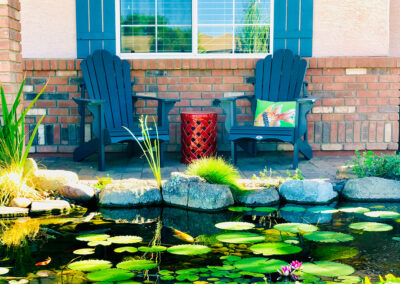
(107, 80)
(279, 78)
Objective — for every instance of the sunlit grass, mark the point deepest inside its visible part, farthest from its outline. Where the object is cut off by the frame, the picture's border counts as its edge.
(19, 232)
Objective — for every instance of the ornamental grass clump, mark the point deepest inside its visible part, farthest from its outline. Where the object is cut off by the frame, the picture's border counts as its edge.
(215, 170)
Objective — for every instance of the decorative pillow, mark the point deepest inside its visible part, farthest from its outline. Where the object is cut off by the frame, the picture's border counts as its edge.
(275, 114)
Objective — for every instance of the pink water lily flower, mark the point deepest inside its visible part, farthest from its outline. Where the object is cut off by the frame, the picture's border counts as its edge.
(296, 265)
(285, 271)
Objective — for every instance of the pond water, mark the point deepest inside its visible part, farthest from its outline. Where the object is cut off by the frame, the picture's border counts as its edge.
(367, 250)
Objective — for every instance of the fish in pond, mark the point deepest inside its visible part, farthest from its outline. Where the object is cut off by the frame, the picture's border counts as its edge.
(47, 261)
(182, 236)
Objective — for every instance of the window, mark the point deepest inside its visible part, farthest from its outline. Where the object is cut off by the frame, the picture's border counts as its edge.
(161, 28)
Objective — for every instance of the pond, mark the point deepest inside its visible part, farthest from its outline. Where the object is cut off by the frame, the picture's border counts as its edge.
(54, 249)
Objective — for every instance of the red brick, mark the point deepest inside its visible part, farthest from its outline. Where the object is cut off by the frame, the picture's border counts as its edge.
(232, 80)
(58, 111)
(380, 131)
(357, 131)
(222, 72)
(376, 146)
(334, 132)
(377, 116)
(332, 102)
(57, 81)
(200, 88)
(334, 86)
(189, 80)
(345, 79)
(389, 93)
(212, 95)
(197, 103)
(190, 95)
(367, 94)
(367, 78)
(223, 88)
(378, 86)
(377, 101)
(244, 88)
(356, 86)
(368, 109)
(332, 117)
(333, 72)
(210, 80)
(322, 79)
(341, 132)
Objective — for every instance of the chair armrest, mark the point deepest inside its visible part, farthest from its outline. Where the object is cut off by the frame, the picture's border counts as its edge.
(81, 101)
(231, 99)
(307, 100)
(154, 98)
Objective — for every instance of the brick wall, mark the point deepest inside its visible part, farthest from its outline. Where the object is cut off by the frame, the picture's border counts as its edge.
(358, 107)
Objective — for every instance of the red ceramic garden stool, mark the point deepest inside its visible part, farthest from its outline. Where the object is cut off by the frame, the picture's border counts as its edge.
(198, 135)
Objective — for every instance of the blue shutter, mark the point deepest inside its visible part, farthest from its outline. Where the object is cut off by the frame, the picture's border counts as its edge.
(293, 26)
(95, 25)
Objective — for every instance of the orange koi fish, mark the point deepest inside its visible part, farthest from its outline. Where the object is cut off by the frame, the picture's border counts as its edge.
(47, 261)
(182, 236)
(273, 117)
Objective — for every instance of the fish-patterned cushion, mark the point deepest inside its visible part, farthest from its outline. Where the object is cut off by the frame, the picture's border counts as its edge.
(275, 114)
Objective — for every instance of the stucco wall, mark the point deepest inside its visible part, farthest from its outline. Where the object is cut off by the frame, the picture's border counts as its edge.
(351, 27)
(395, 28)
(48, 28)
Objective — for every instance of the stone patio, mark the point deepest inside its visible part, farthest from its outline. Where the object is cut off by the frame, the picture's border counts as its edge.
(121, 167)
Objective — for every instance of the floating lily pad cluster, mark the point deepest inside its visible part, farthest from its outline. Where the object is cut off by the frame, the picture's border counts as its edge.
(106, 240)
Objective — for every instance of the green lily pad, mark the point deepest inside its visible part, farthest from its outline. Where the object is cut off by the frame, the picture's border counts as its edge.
(240, 238)
(350, 279)
(275, 249)
(259, 264)
(90, 265)
(382, 214)
(396, 239)
(137, 264)
(113, 274)
(328, 237)
(328, 269)
(235, 226)
(334, 252)
(93, 237)
(167, 278)
(84, 251)
(230, 258)
(152, 249)
(240, 209)
(126, 249)
(189, 249)
(296, 228)
(188, 277)
(99, 243)
(354, 209)
(265, 209)
(293, 209)
(290, 241)
(125, 239)
(4, 270)
(322, 209)
(371, 227)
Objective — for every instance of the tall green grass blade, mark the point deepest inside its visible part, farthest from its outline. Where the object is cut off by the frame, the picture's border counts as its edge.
(29, 145)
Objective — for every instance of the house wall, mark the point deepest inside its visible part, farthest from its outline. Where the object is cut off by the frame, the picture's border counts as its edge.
(395, 28)
(48, 28)
(358, 107)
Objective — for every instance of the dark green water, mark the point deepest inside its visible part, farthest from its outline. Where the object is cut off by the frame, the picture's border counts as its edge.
(370, 253)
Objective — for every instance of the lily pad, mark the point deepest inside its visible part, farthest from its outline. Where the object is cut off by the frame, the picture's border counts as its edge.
(293, 209)
(259, 264)
(188, 277)
(126, 249)
(328, 237)
(322, 209)
(99, 243)
(290, 241)
(90, 265)
(275, 249)
(265, 209)
(93, 237)
(371, 227)
(296, 228)
(137, 264)
(235, 226)
(240, 238)
(334, 252)
(382, 214)
(152, 249)
(396, 239)
(328, 269)
(354, 209)
(113, 274)
(189, 249)
(125, 239)
(240, 209)
(84, 251)
(4, 270)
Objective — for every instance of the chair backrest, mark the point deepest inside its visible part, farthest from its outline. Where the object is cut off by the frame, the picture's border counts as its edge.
(280, 77)
(108, 78)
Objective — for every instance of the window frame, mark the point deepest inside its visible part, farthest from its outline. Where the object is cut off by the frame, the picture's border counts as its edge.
(187, 55)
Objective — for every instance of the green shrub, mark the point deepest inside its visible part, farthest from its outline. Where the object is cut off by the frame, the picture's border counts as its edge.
(369, 165)
(269, 177)
(215, 170)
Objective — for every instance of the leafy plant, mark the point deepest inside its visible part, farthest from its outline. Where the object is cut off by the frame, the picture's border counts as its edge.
(150, 150)
(369, 165)
(102, 182)
(272, 180)
(215, 170)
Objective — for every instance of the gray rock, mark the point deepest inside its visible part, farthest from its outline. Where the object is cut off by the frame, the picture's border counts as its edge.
(53, 180)
(130, 193)
(261, 195)
(21, 202)
(307, 191)
(195, 193)
(49, 206)
(132, 215)
(8, 212)
(372, 189)
(77, 192)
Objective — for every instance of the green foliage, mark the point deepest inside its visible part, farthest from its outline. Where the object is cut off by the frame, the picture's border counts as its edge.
(215, 170)
(369, 165)
(272, 180)
(102, 182)
(150, 150)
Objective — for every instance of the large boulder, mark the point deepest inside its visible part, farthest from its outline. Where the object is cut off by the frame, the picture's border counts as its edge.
(257, 193)
(130, 193)
(372, 189)
(195, 193)
(49, 206)
(21, 202)
(307, 191)
(77, 191)
(53, 180)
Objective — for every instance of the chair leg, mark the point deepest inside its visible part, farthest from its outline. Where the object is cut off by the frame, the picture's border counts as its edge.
(234, 152)
(102, 154)
(162, 152)
(296, 155)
